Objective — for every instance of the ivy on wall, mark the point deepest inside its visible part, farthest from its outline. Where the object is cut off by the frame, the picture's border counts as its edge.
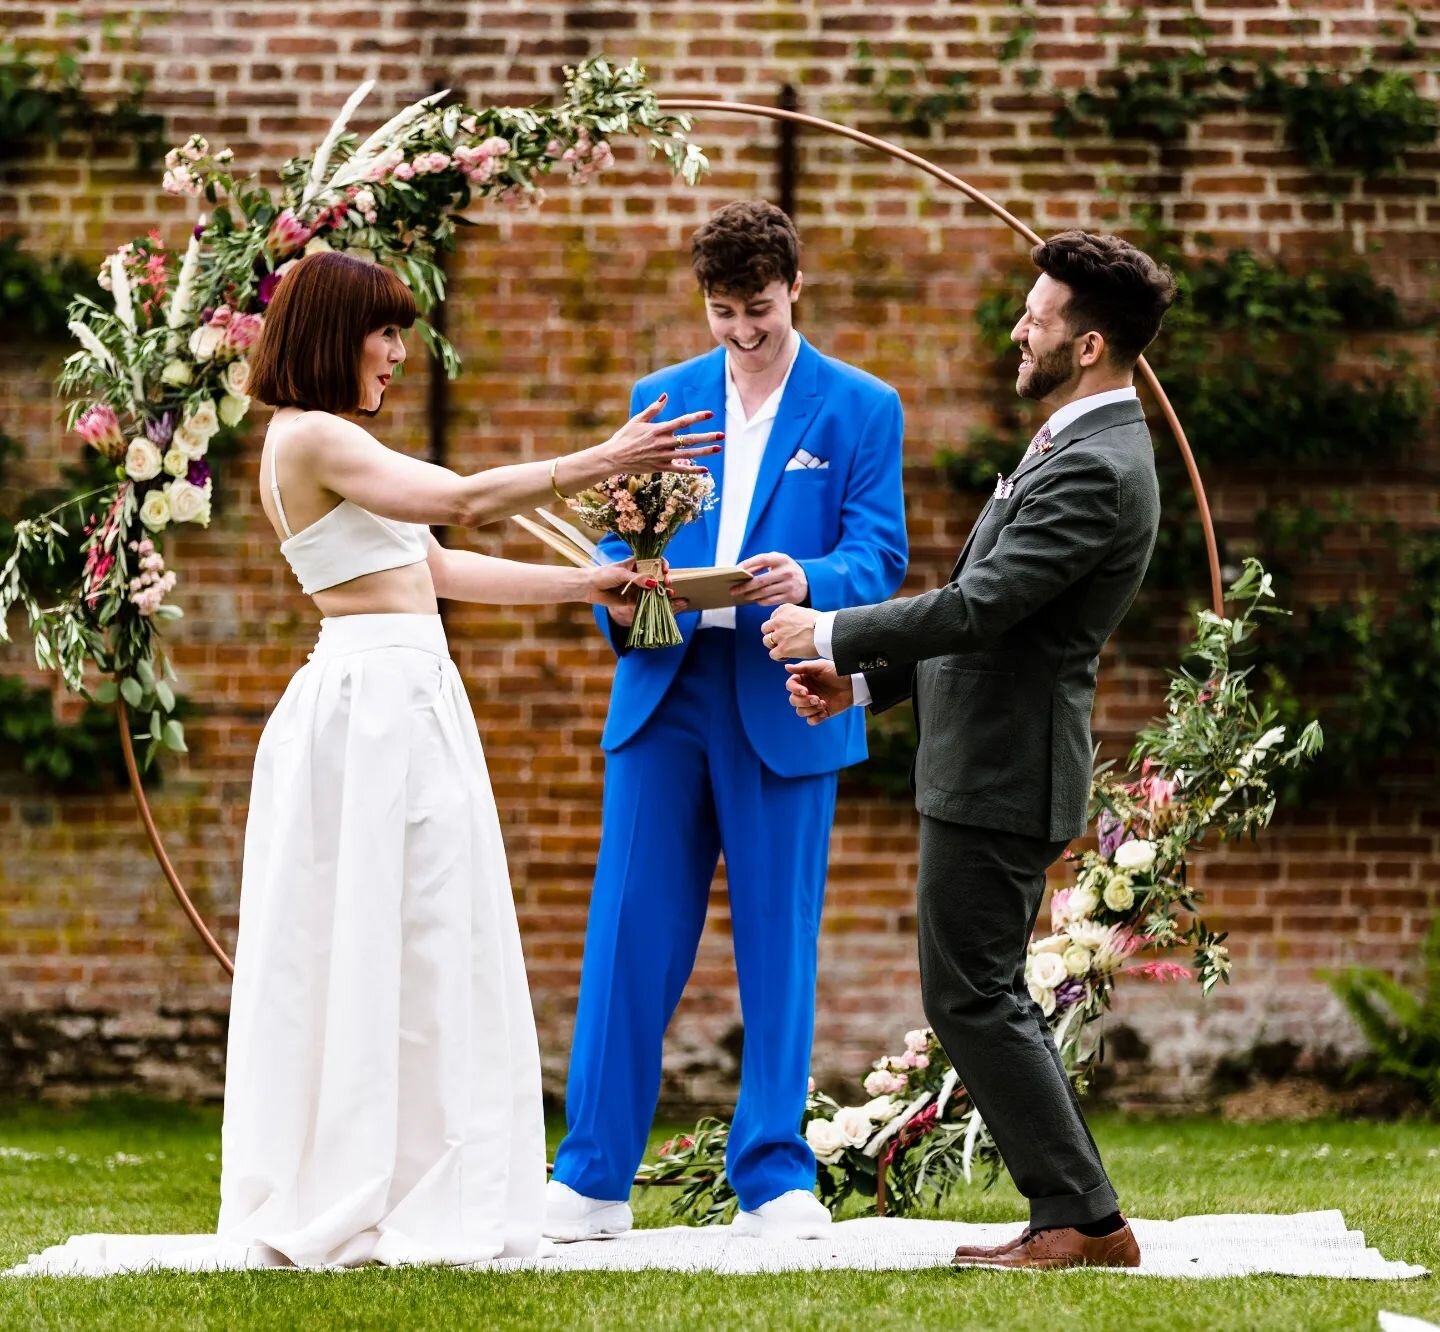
(1339, 120)
(35, 293)
(43, 99)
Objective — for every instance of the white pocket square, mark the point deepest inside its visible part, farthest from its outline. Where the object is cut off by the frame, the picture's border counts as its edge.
(804, 461)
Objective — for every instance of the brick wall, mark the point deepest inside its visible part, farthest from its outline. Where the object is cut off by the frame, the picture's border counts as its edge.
(555, 313)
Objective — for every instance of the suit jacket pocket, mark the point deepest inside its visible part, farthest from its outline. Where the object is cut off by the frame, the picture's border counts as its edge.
(969, 729)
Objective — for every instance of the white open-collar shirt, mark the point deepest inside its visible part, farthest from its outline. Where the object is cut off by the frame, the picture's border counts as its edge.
(745, 441)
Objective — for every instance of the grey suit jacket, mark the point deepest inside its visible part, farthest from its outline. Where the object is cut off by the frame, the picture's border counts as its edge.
(1001, 661)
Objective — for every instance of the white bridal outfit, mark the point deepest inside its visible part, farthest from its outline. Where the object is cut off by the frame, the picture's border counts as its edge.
(382, 1089)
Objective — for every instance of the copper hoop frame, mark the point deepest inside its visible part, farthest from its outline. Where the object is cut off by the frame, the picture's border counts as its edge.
(900, 155)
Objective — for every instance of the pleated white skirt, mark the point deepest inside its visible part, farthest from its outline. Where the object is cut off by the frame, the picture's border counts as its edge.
(382, 1090)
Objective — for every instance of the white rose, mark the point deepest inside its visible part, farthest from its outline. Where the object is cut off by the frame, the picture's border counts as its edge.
(203, 420)
(1044, 996)
(1133, 856)
(1045, 970)
(188, 504)
(882, 1109)
(316, 245)
(191, 444)
(237, 377)
(1056, 943)
(206, 340)
(1076, 960)
(1119, 895)
(176, 373)
(142, 460)
(825, 1140)
(918, 1040)
(155, 512)
(176, 463)
(853, 1125)
(233, 407)
(1083, 901)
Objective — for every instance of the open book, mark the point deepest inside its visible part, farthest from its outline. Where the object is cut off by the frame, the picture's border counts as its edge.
(704, 589)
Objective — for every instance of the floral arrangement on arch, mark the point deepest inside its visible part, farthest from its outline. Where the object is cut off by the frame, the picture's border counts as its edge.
(162, 373)
(1204, 768)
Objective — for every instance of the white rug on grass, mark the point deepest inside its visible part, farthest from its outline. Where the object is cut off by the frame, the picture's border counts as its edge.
(1307, 1244)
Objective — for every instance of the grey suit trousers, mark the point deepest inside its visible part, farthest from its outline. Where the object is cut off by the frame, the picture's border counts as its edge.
(978, 897)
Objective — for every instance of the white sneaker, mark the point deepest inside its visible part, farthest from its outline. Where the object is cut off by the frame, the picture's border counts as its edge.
(793, 1215)
(572, 1216)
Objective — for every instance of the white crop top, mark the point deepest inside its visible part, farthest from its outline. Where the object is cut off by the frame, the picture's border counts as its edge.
(346, 543)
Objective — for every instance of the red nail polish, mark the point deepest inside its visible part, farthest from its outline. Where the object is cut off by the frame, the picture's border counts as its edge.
(650, 582)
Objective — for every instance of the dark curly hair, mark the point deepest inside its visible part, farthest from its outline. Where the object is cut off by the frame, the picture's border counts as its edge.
(743, 248)
(1116, 290)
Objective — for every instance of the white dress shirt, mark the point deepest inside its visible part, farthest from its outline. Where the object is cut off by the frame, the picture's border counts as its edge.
(1059, 420)
(745, 442)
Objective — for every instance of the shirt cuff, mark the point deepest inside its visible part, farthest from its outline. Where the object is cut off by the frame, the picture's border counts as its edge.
(862, 690)
(824, 632)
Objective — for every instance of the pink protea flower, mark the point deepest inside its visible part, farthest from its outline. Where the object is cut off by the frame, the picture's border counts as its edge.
(99, 427)
(1156, 790)
(287, 234)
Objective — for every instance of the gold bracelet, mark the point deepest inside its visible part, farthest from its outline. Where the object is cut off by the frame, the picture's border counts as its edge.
(554, 485)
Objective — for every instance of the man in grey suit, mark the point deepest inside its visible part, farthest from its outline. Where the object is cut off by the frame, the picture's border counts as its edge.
(1001, 664)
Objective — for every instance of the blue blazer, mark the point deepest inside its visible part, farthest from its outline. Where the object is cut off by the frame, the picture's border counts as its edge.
(844, 524)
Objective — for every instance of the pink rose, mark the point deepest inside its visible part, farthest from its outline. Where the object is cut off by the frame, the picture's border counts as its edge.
(404, 171)
(495, 146)
(242, 332)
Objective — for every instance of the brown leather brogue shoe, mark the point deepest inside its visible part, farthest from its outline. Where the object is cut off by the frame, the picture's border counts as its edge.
(1063, 1247)
(968, 1251)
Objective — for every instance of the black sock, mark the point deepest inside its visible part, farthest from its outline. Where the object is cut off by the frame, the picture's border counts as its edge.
(1105, 1226)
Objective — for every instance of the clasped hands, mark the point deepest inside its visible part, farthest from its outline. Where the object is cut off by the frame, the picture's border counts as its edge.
(816, 690)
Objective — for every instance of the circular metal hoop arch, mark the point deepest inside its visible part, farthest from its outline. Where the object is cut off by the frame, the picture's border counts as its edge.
(841, 131)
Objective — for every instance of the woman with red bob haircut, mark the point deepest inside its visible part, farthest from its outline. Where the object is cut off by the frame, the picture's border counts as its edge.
(383, 1085)
(382, 1090)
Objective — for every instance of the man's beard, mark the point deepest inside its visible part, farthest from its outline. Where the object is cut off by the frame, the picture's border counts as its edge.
(1048, 372)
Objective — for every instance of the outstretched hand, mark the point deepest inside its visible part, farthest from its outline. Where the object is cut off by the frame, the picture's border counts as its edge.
(644, 444)
(817, 691)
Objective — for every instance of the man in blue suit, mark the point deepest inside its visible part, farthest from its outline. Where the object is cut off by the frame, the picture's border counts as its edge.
(704, 753)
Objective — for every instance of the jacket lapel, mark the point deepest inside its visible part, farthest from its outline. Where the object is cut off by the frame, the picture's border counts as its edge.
(1090, 423)
(970, 540)
(797, 410)
(1082, 427)
(704, 390)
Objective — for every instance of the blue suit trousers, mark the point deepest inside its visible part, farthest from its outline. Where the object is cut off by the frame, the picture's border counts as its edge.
(687, 787)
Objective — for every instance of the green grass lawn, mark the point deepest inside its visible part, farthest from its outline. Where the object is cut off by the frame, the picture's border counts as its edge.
(127, 1166)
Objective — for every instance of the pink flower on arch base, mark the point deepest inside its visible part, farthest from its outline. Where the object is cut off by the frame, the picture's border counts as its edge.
(1164, 972)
